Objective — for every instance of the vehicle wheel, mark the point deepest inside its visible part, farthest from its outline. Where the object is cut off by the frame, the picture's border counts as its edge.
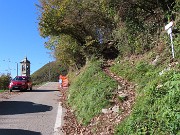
(31, 89)
(10, 90)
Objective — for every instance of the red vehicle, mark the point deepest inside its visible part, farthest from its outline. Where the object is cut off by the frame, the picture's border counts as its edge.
(20, 83)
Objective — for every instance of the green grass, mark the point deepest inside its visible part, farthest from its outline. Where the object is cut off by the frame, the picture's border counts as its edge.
(157, 107)
(157, 110)
(90, 92)
(2, 91)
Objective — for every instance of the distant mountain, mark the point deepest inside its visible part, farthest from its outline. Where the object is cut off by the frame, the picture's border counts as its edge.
(49, 72)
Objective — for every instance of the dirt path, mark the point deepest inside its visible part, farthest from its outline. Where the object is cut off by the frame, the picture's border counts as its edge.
(103, 124)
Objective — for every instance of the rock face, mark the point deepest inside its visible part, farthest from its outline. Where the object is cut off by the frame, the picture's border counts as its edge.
(120, 87)
(105, 111)
(154, 62)
(115, 109)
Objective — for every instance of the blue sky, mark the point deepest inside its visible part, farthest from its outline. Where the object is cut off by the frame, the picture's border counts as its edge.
(19, 36)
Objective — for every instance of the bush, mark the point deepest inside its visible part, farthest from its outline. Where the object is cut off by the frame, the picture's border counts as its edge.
(4, 81)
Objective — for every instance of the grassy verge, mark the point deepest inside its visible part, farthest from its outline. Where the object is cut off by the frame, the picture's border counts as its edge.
(90, 92)
(2, 91)
(157, 108)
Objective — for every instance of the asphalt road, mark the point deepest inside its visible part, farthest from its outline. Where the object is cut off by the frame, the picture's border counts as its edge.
(36, 112)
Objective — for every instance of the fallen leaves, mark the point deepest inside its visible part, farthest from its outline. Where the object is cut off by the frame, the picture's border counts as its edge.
(105, 123)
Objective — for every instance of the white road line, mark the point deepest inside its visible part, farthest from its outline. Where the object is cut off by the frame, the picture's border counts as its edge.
(58, 123)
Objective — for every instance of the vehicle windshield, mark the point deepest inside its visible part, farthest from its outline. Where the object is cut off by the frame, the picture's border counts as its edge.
(20, 78)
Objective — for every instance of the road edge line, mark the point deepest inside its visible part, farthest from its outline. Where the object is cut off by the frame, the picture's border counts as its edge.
(58, 122)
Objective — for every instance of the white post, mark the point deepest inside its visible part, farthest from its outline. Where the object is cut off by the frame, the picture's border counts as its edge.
(168, 27)
(172, 46)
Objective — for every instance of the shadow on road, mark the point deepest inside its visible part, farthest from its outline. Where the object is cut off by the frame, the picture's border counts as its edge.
(17, 132)
(22, 107)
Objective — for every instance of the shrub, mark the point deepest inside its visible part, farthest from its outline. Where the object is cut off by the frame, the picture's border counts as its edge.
(4, 81)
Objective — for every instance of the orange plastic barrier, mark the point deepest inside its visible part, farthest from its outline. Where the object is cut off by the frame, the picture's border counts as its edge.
(65, 81)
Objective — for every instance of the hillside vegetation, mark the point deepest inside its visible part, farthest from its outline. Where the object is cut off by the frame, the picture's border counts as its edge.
(156, 110)
(91, 91)
(49, 72)
(85, 35)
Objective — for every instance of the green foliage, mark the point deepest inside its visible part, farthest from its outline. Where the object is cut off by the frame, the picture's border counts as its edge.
(68, 52)
(79, 30)
(161, 97)
(123, 38)
(134, 72)
(125, 72)
(49, 72)
(90, 92)
(177, 29)
(159, 93)
(78, 20)
(177, 47)
(4, 81)
(140, 23)
(134, 26)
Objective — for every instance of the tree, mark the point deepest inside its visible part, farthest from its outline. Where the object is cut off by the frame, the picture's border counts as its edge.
(92, 24)
(68, 52)
(4, 81)
(87, 22)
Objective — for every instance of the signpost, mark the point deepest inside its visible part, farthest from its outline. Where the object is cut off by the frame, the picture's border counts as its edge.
(168, 28)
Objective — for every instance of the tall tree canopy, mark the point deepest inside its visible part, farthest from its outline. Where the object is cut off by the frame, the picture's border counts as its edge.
(77, 18)
(87, 22)
(97, 26)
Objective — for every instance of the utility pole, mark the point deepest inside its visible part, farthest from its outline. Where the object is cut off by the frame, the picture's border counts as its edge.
(17, 68)
(49, 72)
